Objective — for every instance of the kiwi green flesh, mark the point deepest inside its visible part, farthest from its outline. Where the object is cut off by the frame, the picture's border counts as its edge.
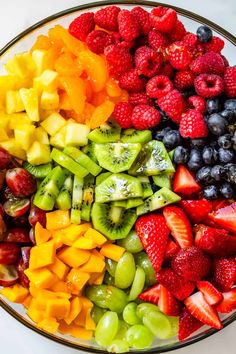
(65, 161)
(163, 180)
(113, 222)
(40, 171)
(171, 154)
(158, 200)
(135, 136)
(64, 199)
(120, 203)
(77, 196)
(89, 150)
(88, 197)
(102, 177)
(132, 203)
(146, 185)
(118, 187)
(106, 133)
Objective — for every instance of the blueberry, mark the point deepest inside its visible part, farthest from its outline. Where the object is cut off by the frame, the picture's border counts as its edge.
(195, 160)
(198, 142)
(230, 104)
(209, 155)
(213, 105)
(226, 190)
(159, 134)
(204, 175)
(204, 34)
(210, 192)
(217, 172)
(226, 156)
(171, 139)
(228, 115)
(224, 141)
(233, 139)
(217, 124)
(230, 173)
(181, 155)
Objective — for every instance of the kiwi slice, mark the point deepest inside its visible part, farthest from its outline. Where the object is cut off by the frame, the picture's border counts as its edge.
(48, 189)
(147, 188)
(102, 177)
(117, 157)
(113, 222)
(118, 187)
(136, 136)
(171, 154)
(132, 203)
(89, 150)
(64, 198)
(65, 161)
(40, 171)
(158, 200)
(152, 160)
(120, 203)
(77, 196)
(106, 133)
(88, 197)
(163, 180)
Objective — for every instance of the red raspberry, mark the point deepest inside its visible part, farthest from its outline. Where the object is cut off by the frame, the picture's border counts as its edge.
(230, 81)
(184, 80)
(163, 19)
(216, 44)
(142, 17)
(198, 103)
(98, 40)
(208, 85)
(159, 86)
(193, 125)
(145, 117)
(122, 114)
(107, 18)
(208, 63)
(147, 61)
(119, 59)
(225, 60)
(179, 56)
(178, 31)
(167, 70)
(131, 81)
(82, 26)
(173, 105)
(157, 40)
(137, 98)
(192, 42)
(128, 25)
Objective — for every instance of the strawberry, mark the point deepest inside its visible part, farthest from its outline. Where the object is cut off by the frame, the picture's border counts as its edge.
(208, 63)
(202, 311)
(187, 324)
(81, 26)
(173, 105)
(208, 85)
(122, 114)
(224, 273)
(197, 210)
(211, 294)
(145, 117)
(228, 303)
(128, 25)
(179, 287)
(158, 86)
(163, 19)
(142, 17)
(230, 81)
(179, 225)
(153, 233)
(193, 125)
(179, 55)
(107, 18)
(171, 249)
(167, 303)
(184, 181)
(225, 217)
(151, 295)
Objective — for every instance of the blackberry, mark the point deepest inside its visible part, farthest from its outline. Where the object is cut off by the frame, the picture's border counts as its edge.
(195, 160)
(181, 155)
(210, 192)
(204, 34)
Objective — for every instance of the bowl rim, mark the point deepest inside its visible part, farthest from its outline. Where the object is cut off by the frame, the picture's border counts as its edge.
(188, 14)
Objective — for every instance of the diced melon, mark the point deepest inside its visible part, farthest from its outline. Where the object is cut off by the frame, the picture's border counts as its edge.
(3, 134)
(21, 65)
(53, 123)
(48, 81)
(13, 147)
(31, 103)
(41, 135)
(38, 154)
(49, 100)
(76, 134)
(14, 102)
(16, 119)
(24, 135)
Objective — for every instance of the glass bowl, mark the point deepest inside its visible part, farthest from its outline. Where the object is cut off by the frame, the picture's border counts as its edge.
(23, 42)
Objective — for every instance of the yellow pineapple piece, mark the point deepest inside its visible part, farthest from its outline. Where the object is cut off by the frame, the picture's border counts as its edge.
(16, 119)
(41, 136)
(58, 140)
(4, 121)
(21, 65)
(14, 103)
(24, 135)
(13, 147)
(53, 123)
(3, 134)
(76, 134)
(49, 100)
(38, 154)
(31, 103)
(48, 81)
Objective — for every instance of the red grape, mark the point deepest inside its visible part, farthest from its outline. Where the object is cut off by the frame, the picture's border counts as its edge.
(8, 275)
(18, 235)
(21, 182)
(9, 253)
(16, 207)
(24, 280)
(37, 215)
(5, 159)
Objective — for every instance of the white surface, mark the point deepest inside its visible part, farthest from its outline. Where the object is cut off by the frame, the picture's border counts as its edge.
(17, 15)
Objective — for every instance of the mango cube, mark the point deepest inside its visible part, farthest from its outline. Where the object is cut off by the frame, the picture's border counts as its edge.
(42, 278)
(77, 279)
(41, 235)
(76, 134)
(57, 219)
(49, 325)
(84, 243)
(75, 331)
(73, 257)
(96, 236)
(112, 251)
(14, 148)
(48, 81)
(14, 102)
(58, 308)
(34, 313)
(49, 100)
(53, 123)
(16, 293)
(38, 154)
(41, 136)
(31, 103)
(59, 268)
(94, 264)
(75, 308)
(24, 135)
(42, 255)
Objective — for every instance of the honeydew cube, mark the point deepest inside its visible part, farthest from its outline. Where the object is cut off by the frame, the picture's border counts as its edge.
(53, 123)
(41, 136)
(31, 103)
(21, 65)
(3, 134)
(49, 100)
(38, 154)
(14, 102)
(24, 135)
(48, 81)
(14, 148)
(39, 57)
(76, 134)
(17, 119)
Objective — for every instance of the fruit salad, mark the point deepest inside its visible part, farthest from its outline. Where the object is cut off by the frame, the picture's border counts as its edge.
(118, 179)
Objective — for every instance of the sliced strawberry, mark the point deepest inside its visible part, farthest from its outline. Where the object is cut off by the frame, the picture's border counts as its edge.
(171, 249)
(228, 303)
(224, 273)
(225, 217)
(187, 324)
(211, 294)
(202, 311)
(184, 181)
(216, 204)
(167, 303)
(151, 295)
(153, 233)
(179, 225)
(178, 287)
(197, 210)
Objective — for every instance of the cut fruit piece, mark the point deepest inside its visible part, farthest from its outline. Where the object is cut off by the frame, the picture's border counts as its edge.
(40, 171)
(111, 221)
(14, 102)
(38, 154)
(88, 197)
(197, 210)
(76, 134)
(102, 177)
(184, 182)
(152, 160)
(167, 303)
(158, 200)
(117, 157)
(187, 324)
(211, 294)
(53, 123)
(64, 198)
(225, 217)
(136, 136)
(120, 203)
(118, 187)
(89, 150)
(228, 303)
(77, 196)
(67, 162)
(16, 207)
(132, 203)
(24, 135)
(31, 103)
(106, 133)
(146, 185)
(163, 180)
(8, 275)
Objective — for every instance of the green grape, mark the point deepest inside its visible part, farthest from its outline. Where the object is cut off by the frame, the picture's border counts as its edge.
(138, 284)
(125, 271)
(129, 314)
(158, 324)
(139, 337)
(109, 279)
(97, 313)
(118, 346)
(144, 262)
(144, 308)
(111, 266)
(131, 243)
(123, 328)
(174, 321)
(107, 328)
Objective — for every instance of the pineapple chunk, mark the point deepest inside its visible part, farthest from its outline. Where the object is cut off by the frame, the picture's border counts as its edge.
(48, 81)
(39, 57)
(3, 134)
(76, 134)
(58, 140)
(13, 147)
(49, 100)
(31, 104)
(53, 123)
(21, 65)
(24, 135)
(38, 154)
(16, 119)
(14, 102)
(7, 83)
(4, 121)
(41, 136)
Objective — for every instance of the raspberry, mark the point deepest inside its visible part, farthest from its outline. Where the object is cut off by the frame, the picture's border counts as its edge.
(131, 81)
(192, 42)
(163, 19)
(173, 105)
(179, 56)
(119, 59)
(230, 81)
(147, 61)
(142, 17)
(216, 44)
(122, 114)
(193, 125)
(178, 31)
(159, 86)
(225, 60)
(107, 18)
(137, 98)
(82, 26)
(184, 80)
(167, 70)
(208, 63)
(128, 25)
(98, 40)
(208, 85)
(145, 117)
(157, 40)
(198, 103)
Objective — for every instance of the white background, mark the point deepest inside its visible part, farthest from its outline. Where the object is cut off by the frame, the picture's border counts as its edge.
(17, 15)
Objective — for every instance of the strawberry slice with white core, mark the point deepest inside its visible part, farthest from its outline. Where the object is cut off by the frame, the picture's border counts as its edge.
(167, 303)
(228, 303)
(187, 324)
(225, 217)
(151, 295)
(184, 182)
(211, 294)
